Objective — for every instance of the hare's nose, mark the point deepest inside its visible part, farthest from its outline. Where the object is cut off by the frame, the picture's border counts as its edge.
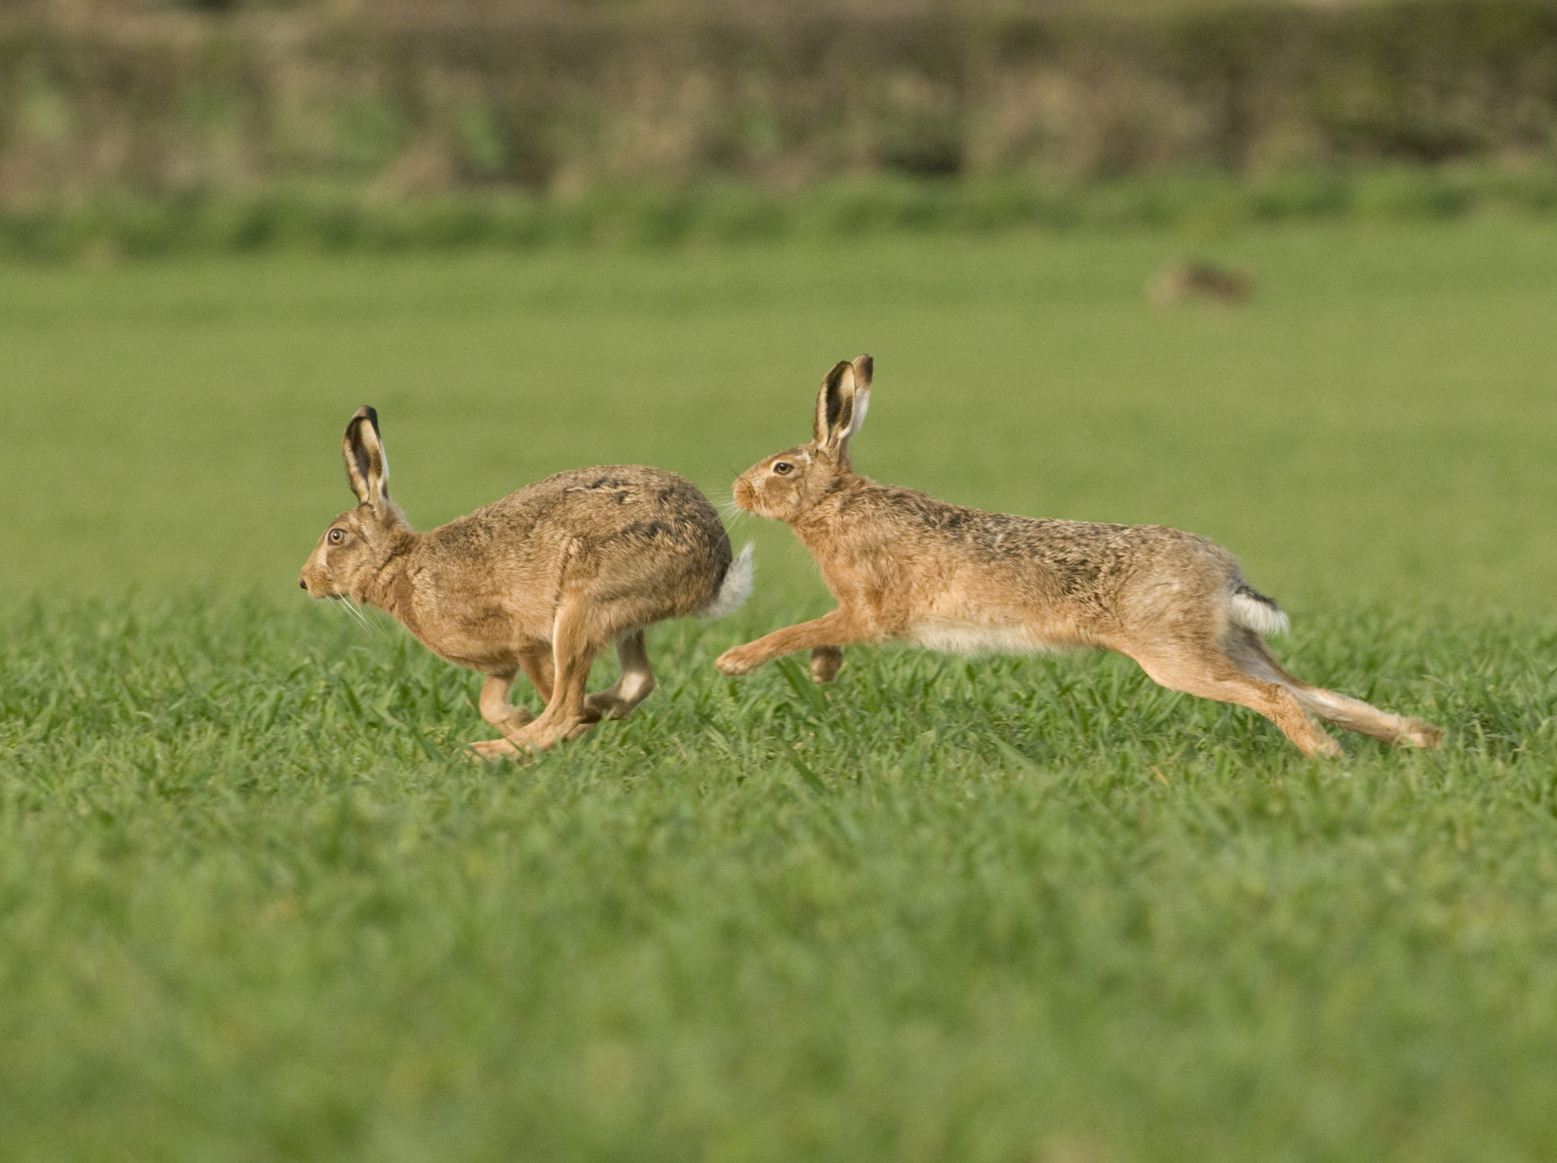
(301, 584)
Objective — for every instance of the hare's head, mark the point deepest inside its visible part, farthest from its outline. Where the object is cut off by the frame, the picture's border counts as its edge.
(359, 540)
(786, 484)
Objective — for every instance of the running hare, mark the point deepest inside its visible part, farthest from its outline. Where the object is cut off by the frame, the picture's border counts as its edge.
(540, 581)
(906, 566)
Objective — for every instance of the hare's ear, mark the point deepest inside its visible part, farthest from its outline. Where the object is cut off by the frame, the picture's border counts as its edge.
(366, 468)
(835, 408)
(863, 367)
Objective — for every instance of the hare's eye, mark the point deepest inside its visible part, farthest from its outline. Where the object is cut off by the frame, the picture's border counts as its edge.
(783, 467)
(337, 536)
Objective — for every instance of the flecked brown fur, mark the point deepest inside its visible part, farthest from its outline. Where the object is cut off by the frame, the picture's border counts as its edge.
(906, 566)
(540, 581)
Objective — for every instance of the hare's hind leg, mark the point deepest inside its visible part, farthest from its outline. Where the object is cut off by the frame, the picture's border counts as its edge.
(634, 684)
(1203, 669)
(1352, 714)
(576, 639)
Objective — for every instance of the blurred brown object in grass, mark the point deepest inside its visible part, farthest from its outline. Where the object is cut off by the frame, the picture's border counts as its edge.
(1196, 281)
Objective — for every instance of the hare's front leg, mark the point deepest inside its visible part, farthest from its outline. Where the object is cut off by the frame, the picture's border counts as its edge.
(823, 635)
(505, 716)
(497, 710)
(538, 669)
(495, 707)
(826, 662)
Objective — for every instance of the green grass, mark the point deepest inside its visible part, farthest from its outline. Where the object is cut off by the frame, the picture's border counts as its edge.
(254, 905)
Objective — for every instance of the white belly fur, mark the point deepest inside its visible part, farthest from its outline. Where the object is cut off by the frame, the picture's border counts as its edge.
(966, 638)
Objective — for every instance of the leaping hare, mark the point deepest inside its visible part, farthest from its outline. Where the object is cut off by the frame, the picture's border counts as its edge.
(540, 581)
(906, 566)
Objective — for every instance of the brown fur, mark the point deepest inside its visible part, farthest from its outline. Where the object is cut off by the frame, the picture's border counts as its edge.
(1206, 282)
(540, 581)
(906, 566)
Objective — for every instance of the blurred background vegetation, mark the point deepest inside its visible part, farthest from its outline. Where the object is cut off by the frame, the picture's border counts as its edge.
(153, 125)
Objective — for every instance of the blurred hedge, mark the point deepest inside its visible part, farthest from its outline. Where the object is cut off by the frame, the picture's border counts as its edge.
(388, 100)
(107, 229)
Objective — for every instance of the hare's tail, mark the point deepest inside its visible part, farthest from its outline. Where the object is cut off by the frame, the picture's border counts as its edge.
(733, 590)
(1254, 611)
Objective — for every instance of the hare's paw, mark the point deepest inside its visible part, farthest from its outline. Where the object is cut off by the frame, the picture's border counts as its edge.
(516, 718)
(826, 662)
(1423, 735)
(738, 660)
(1325, 745)
(580, 728)
(493, 750)
(545, 733)
(605, 705)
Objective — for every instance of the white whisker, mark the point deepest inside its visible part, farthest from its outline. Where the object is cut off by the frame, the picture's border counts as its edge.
(730, 510)
(361, 618)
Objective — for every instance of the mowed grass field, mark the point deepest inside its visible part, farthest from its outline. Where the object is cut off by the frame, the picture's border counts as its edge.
(254, 903)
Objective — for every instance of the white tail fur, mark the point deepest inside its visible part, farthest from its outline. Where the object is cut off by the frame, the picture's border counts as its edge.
(735, 588)
(1258, 614)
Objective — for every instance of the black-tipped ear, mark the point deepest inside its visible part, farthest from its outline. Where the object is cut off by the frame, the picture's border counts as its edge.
(834, 407)
(367, 469)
